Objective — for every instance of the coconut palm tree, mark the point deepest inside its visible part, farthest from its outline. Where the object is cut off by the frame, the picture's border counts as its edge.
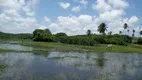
(125, 27)
(120, 32)
(141, 32)
(133, 33)
(110, 33)
(102, 28)
(88, 32)
(128, 31)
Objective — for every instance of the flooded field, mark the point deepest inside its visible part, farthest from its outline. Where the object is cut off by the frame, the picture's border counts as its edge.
(56, 65)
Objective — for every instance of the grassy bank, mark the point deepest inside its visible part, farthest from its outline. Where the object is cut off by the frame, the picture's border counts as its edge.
(131, 48)
(6, 50)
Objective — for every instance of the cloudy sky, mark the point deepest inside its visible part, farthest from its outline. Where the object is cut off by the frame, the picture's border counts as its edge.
(70, 16)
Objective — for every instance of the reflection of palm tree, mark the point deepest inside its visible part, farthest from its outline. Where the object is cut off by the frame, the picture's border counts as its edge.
(100, 60)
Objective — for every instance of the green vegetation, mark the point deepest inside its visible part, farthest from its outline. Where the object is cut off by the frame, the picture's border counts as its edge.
(15, 36)
(100, 48)
(6, 50)
(89, 39)
(2, 67)
(89, 42)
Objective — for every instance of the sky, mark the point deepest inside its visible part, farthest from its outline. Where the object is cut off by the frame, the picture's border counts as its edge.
(73, 17)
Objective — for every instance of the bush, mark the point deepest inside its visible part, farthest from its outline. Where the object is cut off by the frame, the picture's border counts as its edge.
(116, 41)
(139, 41)
(100, 39)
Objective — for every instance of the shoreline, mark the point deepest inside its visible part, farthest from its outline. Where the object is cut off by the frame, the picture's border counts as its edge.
(100, 48)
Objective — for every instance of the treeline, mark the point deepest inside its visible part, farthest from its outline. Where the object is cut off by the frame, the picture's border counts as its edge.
(88, 39)
(15, 36)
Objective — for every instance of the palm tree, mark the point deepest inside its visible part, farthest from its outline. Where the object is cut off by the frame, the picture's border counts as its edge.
(110, 33)
(128, 31)
(133, 36)
(141, 32)
(102, 28)
(120, 32)
(133, 33)
(125, 27)
(88, 32)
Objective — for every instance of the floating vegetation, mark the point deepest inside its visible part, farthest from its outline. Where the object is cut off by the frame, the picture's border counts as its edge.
(53, 79)
(2, 67)
(56, 58)
(100, 62)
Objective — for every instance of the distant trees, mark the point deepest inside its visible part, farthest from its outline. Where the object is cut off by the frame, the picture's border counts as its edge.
(140, 32)
(125, 27)
(102, 28)
(110, 33)
(120, 32)
(42, 35)
(133, 33)
(61, 34)
(118, 39)
(88, 32)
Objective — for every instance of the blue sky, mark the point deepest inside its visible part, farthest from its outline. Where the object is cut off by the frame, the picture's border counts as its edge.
(69, 16)
(53, 10)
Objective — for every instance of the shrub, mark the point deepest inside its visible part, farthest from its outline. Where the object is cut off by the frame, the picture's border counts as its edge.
(139, 41)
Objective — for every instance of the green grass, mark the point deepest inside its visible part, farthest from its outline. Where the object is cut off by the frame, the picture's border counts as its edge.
(52, 46)
(131, 48)
(6, 50)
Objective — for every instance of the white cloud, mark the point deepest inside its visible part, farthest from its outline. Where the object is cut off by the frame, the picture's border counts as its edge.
(118, 3)
(64, 5)
(30, 6)
(133, 20)
(76, 8)
(12, 4)
(46, 19)
(12, 21)
(111, 15)
(72, 25)
(84, 2)
(11, 13)
(101, 6)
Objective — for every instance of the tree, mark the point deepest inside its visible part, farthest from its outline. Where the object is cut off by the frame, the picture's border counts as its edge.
(128, 31)
(125, 27)
(102, 28)
(42, 35)
(48, 31)
(110, 33)
(141, 32)
(61, 34)
(133, 33)
(120, 32)
(88, 32)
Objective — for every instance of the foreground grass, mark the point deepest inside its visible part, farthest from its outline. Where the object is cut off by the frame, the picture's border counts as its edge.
(131, 48)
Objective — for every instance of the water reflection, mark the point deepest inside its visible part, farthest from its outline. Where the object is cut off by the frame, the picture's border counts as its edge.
(16, 47)
(71, 66)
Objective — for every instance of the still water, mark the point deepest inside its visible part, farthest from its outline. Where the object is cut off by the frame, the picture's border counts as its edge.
(56, 65)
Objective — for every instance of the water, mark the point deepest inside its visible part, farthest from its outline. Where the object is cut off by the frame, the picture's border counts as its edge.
(16, 47)
(71, 66)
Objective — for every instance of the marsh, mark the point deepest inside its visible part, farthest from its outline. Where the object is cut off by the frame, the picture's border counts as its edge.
(69, 65)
